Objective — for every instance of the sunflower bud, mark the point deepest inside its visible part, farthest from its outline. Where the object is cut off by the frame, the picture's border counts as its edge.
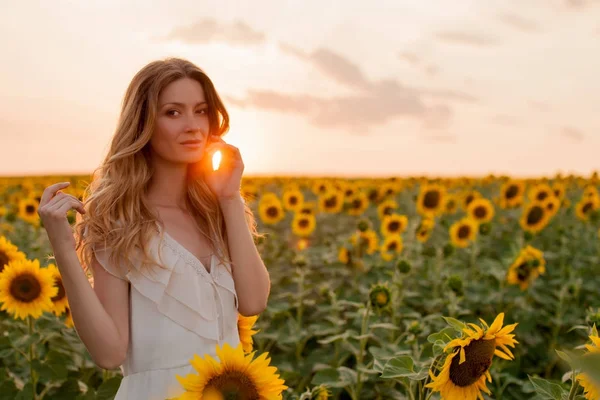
(415, 328)
(485, 228)
(403, 266)
(593, 316)
(380, 296)
(363, 225)
(455, 284)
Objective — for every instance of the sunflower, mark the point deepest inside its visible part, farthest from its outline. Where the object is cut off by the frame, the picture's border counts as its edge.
(526, 268)
(380, 296)
(321, 393)
(511, 194)
(234, 376)
(26, 289)
(551, 205)
(465, 370)
(391, 247)
(292, 199)
(271, 212)
(591, 390)
(534, 218)
(468, 197)
(430, 201)
(586, 206)
(366, 241)
(250, 191)
(303, 224)
(28, 211)
(423, 231)
(349, 189)
(386, 207)
(9, 252)
(463, 232)
(321, 187)
(331, 202)
(481, 210)
(245, 325)
(59, 302)
(358, 203)
(344, 255)
(393, 224)
(540, 192)
(307, 207)
(387, 189)
(559, 189)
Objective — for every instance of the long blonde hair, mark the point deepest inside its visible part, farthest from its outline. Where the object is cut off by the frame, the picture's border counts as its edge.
(117, 216)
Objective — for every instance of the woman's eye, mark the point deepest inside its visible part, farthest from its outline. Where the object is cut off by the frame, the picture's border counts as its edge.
(171, 111)
(202, 111)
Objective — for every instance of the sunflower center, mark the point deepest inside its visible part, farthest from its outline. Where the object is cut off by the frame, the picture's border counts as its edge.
(293, 200)
(450, 205)
(3, 260)
(431, 199)
(535, 215)
(331, 202)
(25, 288)
(61, 290)
(388, 210)
(392, 246)
(303, 223)
(542, 195)
(480, 212)
(272, 212)
(478, 356)
(393, 226)
(523, 271)
(356, 203)
(234, 385)
(511, 192)
(469, 199)
(464, 231)
(586, 207)
(29, 209)
(381, 298)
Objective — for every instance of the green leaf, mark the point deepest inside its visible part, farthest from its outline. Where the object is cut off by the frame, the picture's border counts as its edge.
(348, 375)
(384, 325)
(108, 389)
(446, 335)
(398, 367)
(456, 324)
(564, 356)
(329, 377)
(546, 389)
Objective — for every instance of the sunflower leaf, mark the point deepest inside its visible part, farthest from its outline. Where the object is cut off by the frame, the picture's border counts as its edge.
(398, 367)
(546, 389)
(564, 356)
(456, 324)
(108, 389)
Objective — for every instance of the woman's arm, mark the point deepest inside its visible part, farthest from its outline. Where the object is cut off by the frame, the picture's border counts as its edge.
(100, 314)
(250, 275)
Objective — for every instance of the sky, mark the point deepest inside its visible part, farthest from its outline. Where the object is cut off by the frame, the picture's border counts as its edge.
(336, 88)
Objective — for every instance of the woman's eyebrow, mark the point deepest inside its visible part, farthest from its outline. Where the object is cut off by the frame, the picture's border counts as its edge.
(181, 104)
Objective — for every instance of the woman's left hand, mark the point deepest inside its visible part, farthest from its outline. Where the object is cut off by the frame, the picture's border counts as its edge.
(226, 181)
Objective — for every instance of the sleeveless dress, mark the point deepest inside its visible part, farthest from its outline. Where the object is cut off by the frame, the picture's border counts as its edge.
(174, 313)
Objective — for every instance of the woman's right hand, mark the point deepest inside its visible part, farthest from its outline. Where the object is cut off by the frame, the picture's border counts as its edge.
(53, 209)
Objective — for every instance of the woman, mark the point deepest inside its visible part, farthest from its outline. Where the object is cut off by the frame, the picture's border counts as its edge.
(168, 237)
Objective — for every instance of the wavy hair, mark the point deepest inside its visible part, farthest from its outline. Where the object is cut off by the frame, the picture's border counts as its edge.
(117, 215)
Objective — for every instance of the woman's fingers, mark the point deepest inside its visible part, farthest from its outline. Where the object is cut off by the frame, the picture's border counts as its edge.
(51, 190)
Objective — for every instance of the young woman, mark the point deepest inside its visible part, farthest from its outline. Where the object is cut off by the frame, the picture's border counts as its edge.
(168, 237)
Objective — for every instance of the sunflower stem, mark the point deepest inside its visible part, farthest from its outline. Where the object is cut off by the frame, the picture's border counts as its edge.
(574, 386)
(32, 376)
(363, 343)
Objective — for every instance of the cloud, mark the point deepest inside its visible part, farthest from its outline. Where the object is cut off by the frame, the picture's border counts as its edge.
(371, 103)
(518, 22)
(210, 30)
(572, 133)
(467, 38)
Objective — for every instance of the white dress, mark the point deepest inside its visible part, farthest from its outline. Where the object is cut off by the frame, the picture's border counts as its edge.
(174, 314)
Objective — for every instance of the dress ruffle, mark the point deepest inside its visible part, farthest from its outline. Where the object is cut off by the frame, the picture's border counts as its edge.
(182, 288)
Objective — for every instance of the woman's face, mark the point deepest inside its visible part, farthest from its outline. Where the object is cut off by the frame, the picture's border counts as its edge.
(182, 116)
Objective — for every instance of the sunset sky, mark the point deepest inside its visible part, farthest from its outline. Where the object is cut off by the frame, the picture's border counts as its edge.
(376, 88)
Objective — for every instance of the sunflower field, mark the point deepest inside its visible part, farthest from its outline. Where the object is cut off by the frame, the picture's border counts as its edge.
(402, 288)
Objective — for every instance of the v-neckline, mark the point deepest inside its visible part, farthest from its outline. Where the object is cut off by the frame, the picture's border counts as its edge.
(189, 253)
